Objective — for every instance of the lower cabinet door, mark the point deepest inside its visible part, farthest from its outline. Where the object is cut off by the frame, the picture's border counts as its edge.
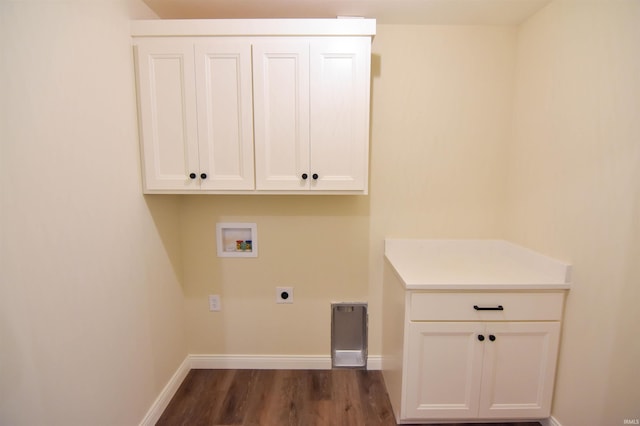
(477, 370)
(518, 369)
(443, 370)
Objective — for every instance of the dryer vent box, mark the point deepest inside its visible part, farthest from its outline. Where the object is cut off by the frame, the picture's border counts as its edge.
(349, 335)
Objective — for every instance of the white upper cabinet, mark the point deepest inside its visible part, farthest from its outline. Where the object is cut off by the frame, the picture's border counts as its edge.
(196, 117)
(311, 113)
(254, 106)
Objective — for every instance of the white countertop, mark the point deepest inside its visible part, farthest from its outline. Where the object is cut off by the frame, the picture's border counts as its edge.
(473, 265)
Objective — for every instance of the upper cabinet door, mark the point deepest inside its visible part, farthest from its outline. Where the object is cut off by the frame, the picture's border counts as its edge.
(225, 126)
(281, 113)
(339, 125)
(167, 102)
(311, 113)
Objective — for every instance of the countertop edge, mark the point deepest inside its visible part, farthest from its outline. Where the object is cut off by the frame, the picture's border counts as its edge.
(466, 286)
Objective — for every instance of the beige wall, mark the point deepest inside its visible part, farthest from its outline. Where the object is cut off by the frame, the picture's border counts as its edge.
(441, 113)
(91, 308)
(441, 103)
(574, 193)
(316, 244)
(104, 291)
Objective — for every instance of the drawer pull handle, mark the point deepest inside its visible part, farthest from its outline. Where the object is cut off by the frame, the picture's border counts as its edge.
(491, 308)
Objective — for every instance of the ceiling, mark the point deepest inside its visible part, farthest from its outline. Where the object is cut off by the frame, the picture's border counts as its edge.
(418, 12)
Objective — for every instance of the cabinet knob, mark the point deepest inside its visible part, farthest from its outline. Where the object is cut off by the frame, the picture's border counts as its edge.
(203, 175)
(481, 337)
(314, 176)
(305, 176)
(192, 175)
(492, 337)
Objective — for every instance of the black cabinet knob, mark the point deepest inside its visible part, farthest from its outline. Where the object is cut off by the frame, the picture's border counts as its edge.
(203, 176)
(314, 176)
(492, 337)
(305, 176)
(481, 337)
(192, 175)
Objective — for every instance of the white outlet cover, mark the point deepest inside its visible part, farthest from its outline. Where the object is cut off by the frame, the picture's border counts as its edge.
(214, 303)
(284, 294)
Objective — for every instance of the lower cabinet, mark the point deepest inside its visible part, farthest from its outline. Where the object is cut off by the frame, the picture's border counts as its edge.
(470, 330)
(469, 370)
(470, 355)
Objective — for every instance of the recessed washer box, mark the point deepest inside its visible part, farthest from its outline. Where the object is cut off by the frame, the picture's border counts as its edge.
(236, 239)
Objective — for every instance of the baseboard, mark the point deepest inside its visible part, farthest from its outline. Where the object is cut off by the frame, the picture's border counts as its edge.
(243, 362)
(161, 402)
(261, 362)
(272, 362)
(551, 421)
(374, 362)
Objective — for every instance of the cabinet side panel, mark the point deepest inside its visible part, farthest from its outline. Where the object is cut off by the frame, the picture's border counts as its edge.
(393, 332)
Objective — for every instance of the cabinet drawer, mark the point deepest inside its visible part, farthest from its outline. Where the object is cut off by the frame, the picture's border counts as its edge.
(486, 306)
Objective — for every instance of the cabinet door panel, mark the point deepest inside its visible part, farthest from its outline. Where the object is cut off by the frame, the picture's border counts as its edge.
(167, 100)
(225, 127)
(519, 369)
(339, 112)
(444, 370)
(281, 113)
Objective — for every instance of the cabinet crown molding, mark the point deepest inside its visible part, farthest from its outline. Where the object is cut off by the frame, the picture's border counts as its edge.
(253, 27)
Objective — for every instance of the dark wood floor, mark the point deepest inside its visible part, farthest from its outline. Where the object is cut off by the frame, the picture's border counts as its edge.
(283, 397)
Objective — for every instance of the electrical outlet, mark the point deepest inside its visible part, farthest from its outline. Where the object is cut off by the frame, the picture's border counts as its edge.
(284, 294)
(214, 302)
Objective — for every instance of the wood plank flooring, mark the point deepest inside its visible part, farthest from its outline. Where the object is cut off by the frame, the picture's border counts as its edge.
(283, 397)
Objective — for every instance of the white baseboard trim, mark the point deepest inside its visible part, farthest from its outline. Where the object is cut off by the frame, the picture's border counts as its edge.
(261, 362)
(272, 362)
(551, 421)
(374, 362)
(161, 402)
(257, 362)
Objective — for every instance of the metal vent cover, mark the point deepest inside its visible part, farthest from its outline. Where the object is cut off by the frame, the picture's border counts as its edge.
(349, 335)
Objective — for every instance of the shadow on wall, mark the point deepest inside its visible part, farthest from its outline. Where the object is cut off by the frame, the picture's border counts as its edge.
(165, 211)
(285, 205)
(626, 348)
